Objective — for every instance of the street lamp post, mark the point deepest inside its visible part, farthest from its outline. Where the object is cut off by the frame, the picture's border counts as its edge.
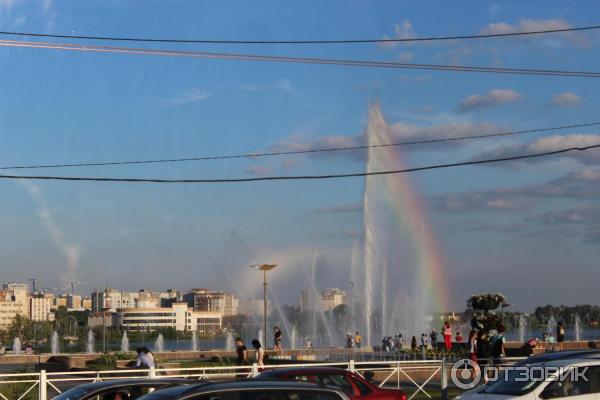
(264, 268)
(104, 328)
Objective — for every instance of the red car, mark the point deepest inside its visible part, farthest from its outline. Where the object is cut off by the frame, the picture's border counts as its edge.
(353, 384)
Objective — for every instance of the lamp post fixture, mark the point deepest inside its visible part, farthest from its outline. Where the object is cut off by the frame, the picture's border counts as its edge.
(264, 268)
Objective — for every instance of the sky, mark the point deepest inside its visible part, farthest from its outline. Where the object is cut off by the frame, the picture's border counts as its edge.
(530, 230)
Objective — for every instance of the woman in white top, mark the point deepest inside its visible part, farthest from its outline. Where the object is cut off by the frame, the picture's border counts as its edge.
(260, 353)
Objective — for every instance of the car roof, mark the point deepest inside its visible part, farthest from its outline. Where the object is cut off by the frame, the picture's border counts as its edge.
(181, 391)
(134, 381)
(559, 355)
(568, 362)
(312, 370)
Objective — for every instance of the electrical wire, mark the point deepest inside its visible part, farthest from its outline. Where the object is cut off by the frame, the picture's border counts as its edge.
(300, 177)
(299, 152)
(297, 60)
(315, 41)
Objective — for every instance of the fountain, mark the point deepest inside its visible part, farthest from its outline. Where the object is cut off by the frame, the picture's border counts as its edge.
(261, 338)
(159, 344)
(54, 343)
(90, 342)
(194, 341)
(293, 339)
(124, 343)
(17, 346)
(398, 247)
(551, 327)
(577, 328)
(522, 328)
(230, 342)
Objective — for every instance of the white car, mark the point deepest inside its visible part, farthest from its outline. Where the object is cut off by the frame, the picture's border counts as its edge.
(510, 385)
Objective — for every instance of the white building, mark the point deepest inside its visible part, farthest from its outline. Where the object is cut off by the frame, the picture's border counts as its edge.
(178, 316)
(331, 298)
(40, 307)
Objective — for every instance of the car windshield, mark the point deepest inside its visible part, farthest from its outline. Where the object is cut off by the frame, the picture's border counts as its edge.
(73, 394)
(510, 384)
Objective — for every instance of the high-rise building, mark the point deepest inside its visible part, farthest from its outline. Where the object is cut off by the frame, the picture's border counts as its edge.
(86, 303)
(208, 300)
(113, 299)
(41, 306)
(331, 298)
(74, 302)
(306, 303)
(14, 300)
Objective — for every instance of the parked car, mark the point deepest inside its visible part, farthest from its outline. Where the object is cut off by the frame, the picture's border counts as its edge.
(511, 385)
(560, 355)
(121, 389)
(249, 389)
(352, 383)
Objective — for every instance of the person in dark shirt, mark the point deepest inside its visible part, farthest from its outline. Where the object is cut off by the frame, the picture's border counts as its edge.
(277, 340)
(242, 351)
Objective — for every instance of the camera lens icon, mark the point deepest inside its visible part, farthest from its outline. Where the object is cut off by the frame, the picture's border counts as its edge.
(465, 374)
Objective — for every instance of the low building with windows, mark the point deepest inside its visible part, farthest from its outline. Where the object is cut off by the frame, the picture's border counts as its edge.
(179, 316)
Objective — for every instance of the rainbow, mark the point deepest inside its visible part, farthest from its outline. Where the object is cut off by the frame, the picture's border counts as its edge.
(405, 220)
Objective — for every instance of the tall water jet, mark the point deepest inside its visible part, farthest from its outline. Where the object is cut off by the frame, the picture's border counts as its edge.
(317, 306)
(294, 339)
(54, 343)
(522, 328)
(194, 341)
(17, 346)
(551, 327)
(230, 342)
(262, 339)
(124, 343)
(159, 344)
(577, 328)
(90, 342)
(396, 233)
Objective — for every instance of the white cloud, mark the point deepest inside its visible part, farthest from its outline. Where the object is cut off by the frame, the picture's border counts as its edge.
(490, 99)
(548, 144)
(565, 99)
(283, 85)
(403, 30)
(531, 25)
(193, 95)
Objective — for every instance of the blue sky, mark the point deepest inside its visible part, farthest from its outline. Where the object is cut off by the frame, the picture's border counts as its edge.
(529, 230)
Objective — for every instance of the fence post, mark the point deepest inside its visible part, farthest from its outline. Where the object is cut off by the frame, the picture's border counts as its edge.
(152, 372)
(444, 379)
(254, 369)
(351, 365)
(43, 387)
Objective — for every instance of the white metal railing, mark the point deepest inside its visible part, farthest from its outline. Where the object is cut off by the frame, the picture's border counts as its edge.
(417, 373)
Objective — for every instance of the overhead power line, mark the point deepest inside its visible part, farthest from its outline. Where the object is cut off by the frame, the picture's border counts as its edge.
(313, 41)
(299, 152)
(300, 177)
(297, 60)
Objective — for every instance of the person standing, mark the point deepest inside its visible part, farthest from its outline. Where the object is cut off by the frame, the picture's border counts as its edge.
(498, 350)
(242, 352)
(357, 340)
(472, 345)
(560, 334)
(413, 344)
(260, 353)
(277, 338)
(433, 337)
(447, 332)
